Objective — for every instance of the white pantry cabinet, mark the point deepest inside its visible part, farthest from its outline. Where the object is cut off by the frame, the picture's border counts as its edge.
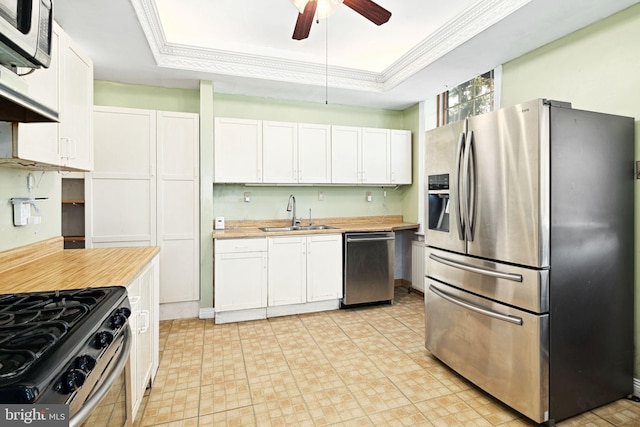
(240, 276)
(401, 163)
(67, 87)
(237, 150)
(144, 191)
(304, 268)
(144, 323)
(296, 153)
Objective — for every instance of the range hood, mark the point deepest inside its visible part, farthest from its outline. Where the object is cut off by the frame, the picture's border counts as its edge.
(15, 106)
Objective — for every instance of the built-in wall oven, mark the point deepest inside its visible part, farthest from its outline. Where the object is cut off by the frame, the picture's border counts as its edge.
(66, 348)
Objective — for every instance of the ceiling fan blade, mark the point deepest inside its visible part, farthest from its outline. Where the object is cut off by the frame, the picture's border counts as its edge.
(303, 24)
(370, 10)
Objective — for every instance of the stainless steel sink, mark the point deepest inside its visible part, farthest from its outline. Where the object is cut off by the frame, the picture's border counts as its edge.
(298, 228)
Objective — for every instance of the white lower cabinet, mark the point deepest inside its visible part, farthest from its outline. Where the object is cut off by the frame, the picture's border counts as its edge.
(240, 279)
(144, 323)
(324, 267)
(255, 278)
(303, 270)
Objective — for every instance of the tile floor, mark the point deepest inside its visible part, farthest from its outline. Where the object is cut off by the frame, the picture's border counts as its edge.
(356, 367)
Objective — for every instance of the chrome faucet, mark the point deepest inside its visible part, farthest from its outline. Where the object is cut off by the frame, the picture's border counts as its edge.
(291, 207)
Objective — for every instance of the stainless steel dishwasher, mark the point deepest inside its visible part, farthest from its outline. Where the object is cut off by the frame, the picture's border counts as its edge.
(368, 267)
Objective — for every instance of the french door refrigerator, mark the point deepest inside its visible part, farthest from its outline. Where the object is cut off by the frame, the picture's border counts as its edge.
(529, 260)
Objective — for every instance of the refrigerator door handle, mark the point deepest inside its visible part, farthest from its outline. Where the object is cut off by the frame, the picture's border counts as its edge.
(459, 179)
(469, 186)
(511, 319)
(473, 269)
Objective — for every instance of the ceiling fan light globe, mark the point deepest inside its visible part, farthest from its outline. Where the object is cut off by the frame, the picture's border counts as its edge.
(325, 9)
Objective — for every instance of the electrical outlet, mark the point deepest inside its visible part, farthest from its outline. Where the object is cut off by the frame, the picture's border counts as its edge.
(320, 196)
(369, 197)
(247, 196)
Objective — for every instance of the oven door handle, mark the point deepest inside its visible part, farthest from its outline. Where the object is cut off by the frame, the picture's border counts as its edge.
(95, 399)
(479, 270)
(477, 309)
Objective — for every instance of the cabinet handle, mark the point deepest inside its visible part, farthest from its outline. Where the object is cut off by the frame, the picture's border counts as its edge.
(145, 315)
(133, 300)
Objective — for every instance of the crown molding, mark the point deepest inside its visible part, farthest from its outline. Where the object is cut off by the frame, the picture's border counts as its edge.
(478, 17)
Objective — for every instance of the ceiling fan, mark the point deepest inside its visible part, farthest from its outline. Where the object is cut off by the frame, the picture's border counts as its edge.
(307, 11)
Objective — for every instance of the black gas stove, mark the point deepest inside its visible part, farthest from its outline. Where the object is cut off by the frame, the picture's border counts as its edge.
(57, 347)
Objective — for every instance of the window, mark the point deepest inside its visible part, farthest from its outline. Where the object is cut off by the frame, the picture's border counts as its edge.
(468, 99)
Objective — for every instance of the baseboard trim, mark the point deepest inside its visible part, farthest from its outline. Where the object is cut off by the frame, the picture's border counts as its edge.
(207, 313)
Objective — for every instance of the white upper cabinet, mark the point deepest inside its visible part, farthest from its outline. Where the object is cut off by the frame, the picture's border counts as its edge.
(279, 152)
(314, 153)
(376, 145)
(76, 111)
(400, 157)
(296, 153)
(39, 142)
(237, 150)
(360, 155)
(67, 87)
(346, 163)
(270, 152)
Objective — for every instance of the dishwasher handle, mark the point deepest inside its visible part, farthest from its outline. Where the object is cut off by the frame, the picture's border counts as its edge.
(369, 239)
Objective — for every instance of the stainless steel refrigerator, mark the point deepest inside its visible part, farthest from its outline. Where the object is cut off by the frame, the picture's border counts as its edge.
(529, 260)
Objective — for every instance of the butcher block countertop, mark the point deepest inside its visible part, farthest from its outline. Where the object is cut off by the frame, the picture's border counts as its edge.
(46, 266)
(251, 228)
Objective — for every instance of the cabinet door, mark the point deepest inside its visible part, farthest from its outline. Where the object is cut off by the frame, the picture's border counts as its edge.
(144, 331)
(133, 395)
(39, 142)
(287, 275)
(376, 156)
(324, 267)
(279, 152)
(240, 281)
(178, 215)
(400, 157)
(345, 154)
(121, 191)
(237, 150)
(76, 131)
(143, 357)
(314, 153)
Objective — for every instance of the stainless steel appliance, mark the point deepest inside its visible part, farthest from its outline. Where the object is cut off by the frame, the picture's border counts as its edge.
(25, 32)
(65, 347)
(529, 264)
(368, 267)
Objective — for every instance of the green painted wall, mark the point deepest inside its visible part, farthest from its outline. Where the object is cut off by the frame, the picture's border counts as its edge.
(595, 68)
(13, 183)
(114, 94)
